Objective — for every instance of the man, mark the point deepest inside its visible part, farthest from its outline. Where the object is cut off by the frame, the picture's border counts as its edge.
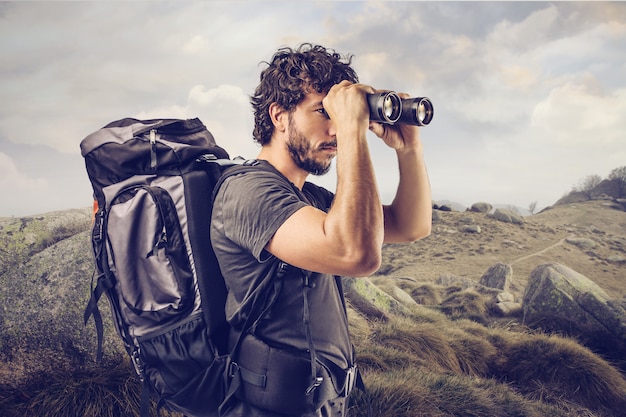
(309, 109)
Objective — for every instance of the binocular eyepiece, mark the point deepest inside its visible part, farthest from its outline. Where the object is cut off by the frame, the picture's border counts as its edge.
(388, 107)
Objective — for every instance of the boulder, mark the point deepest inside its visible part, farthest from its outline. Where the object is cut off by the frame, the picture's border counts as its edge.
(507, 216)
(481, 207)
(560, 299)
(471, 228)
(498, 276)
(401, 295)
(450, 280)
(581, 242)
(43, 293)
(505, 297)
(369, 300)
(508, 308)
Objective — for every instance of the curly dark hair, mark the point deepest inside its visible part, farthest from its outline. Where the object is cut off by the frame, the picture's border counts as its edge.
(292, 74)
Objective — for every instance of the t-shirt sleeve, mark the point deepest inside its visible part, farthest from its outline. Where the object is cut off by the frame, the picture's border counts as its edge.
(253, 207)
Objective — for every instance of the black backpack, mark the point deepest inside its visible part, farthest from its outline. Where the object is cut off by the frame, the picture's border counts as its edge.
(153, 182)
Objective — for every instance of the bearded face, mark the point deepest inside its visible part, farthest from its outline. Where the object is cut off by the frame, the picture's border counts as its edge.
(316, 160)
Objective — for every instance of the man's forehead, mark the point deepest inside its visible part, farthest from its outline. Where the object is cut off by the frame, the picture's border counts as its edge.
(313, 98)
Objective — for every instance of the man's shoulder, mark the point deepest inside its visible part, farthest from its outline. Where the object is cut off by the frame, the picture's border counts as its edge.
(321, 195)
(254, 177)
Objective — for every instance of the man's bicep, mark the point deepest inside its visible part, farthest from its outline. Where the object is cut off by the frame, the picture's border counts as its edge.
(302, 241)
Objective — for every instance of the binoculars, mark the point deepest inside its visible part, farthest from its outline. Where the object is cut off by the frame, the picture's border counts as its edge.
(388, 107)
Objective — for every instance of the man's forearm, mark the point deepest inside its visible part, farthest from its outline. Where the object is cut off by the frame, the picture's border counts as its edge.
(356, 215)
(409, 217)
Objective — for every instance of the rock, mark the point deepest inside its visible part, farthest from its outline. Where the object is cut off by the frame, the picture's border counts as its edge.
(43, 299)
(505, 297)
(370, 300)
(498, 276)
(508, 308)
(581, 242)
(481, 207)
(616, 259)
(560, 299)
(402, 296)
(449, 280)
(471, 228)
(507, 216)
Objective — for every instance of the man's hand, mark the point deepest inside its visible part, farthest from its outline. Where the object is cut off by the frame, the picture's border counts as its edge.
(401, 137)
(346, 103)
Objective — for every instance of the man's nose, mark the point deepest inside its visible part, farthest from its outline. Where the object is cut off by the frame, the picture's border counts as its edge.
(331, 129)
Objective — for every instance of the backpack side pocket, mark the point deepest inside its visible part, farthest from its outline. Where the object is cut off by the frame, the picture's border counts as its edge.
(148, 256)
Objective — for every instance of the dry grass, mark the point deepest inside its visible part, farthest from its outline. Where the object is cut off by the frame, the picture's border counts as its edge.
(425, 365)
(448, 356)
(108, 391)
(419, 392)
(446, 367)
(557, 369)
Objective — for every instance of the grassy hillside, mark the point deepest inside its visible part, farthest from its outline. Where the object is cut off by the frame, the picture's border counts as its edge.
(446, 355)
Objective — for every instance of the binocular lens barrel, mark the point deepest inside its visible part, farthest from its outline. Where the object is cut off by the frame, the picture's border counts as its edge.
(417, 111)
(388, 107)
(384, 107)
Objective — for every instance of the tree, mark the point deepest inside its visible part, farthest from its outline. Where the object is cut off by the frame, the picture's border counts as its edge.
(532, 206)
(619, 175)
(587, 184)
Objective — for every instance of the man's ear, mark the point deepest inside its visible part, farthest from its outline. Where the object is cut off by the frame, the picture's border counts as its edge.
(279, 117)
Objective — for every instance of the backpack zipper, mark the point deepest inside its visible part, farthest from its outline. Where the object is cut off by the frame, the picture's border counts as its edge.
(153, 150)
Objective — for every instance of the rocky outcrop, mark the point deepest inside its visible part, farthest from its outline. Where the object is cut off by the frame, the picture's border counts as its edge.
(44, 287)
(560, 299)
(498, 276)
(371, 301)
(507, 216)
(481, 207)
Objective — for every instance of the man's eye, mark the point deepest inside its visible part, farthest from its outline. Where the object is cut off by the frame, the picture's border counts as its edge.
(323, 112)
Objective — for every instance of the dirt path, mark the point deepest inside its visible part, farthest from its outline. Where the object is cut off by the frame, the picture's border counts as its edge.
(530, 255)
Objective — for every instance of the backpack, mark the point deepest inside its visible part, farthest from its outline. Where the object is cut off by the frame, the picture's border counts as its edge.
(153, 182)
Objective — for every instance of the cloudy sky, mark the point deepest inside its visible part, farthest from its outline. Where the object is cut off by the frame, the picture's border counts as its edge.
(530, 97)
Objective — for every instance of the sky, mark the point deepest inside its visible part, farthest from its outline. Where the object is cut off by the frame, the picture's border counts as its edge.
(529, 97)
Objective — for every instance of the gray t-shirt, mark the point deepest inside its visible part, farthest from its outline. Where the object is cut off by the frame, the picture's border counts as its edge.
(248, 210)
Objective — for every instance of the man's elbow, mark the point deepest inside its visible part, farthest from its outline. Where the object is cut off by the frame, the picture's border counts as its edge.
(364, 263)
(419, 233)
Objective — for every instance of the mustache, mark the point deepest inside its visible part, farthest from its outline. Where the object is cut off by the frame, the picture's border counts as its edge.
(332, 144)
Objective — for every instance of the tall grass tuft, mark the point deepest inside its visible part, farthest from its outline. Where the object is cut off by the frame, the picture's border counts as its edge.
(424, 341)
(560, 370)
(465, 304)
(419, 392)
(111, 391)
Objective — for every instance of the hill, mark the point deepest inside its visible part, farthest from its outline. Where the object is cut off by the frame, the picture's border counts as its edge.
(441, 352)
(554, 235)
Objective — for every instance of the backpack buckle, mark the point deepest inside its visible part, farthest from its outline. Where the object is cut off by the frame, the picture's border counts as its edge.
(282, 269)
(138, 364)
(233, 368)
(98, 227)
(350, 381)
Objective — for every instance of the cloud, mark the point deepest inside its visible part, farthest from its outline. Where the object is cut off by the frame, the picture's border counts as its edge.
(579, 113)
(528, 96)
(15, 186)
(225, 110)
(12, 181)
(196, 45)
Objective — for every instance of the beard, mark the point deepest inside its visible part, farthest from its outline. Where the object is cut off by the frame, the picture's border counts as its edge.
(303, 153)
